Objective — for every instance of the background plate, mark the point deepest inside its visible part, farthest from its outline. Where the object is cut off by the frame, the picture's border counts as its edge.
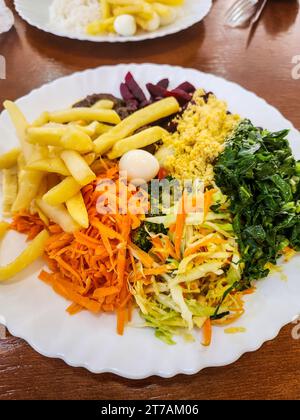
(36, 13)
(32, 311)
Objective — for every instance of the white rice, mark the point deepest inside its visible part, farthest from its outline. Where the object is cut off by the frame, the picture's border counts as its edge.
(74, 15)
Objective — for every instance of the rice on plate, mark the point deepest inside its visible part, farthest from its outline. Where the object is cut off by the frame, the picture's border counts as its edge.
(74, 15)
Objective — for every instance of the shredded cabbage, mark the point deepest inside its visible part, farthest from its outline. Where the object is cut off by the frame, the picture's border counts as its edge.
(197, 286)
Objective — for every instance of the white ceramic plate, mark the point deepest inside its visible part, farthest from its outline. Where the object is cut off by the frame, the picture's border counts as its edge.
(36, 13)
(31, 310)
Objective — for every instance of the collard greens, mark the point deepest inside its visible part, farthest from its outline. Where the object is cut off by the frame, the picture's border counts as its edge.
(261, 177)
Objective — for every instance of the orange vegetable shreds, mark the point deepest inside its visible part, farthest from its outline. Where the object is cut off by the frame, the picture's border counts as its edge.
(179, 227)
(207, 333)
(208, 200)
(29, 224)
(91, 267)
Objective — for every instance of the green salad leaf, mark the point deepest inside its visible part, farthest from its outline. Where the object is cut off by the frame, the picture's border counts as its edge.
(259, 174)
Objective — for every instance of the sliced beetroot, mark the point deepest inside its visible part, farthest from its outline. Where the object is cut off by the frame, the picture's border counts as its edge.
(157, 91)
(134, 88)
(180, 95)
(125, 92)
(186, 87)
(164, 83)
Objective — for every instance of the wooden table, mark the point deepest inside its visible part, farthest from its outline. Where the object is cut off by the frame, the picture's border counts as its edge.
(265, 67)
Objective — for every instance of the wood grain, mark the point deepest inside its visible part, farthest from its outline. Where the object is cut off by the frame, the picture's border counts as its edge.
(264, 67)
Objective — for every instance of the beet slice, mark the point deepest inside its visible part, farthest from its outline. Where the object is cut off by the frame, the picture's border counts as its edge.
(125, 92)
(156, 90)
(180, 95)
(187, 87)
(134, 88)
(164, 83)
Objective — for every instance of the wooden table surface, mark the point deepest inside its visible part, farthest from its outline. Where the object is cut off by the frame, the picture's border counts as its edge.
(265, 67)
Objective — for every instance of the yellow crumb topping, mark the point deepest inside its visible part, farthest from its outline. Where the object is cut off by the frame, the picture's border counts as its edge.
(201, 132)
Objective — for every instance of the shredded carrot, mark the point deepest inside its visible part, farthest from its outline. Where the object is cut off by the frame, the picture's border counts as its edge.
(29, 224)
(207, 332)
(249, 291)
(208, 195)
(156, 271)
(227, 320)
(179, 227)
(145, 258)
(91, 267)
(74, 308)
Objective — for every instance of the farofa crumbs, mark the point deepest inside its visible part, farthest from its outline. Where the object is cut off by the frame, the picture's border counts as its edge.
(200, 137)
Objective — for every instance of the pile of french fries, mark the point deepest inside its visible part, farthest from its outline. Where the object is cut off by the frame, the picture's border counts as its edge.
(144, 11)
(59, 153)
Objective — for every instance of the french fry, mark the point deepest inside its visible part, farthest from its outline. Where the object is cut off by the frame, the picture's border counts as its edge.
(62, 192)
(93, 129)
(139, 9)
(76, 208)
(35, 209)
(58, 214)
(46, 136)
(42, 119)
(29, 183)
(104, 104)
(78, 167)
(34, 250)
(166, 13)
(140, 118)
(9, 159)
(90, 129)
(100, 26)
(87, 114)
(65, 137)
(20, 123)
(137, 141)
(38, 153)
(55, 165)
(21, 162)
(77, 140)
(123, 2)
(10, 190)
(89, 158)
(168, 2)
(103, 128)
(105, 9)
(43, 188)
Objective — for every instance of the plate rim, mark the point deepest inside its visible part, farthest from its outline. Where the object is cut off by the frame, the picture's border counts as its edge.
(119, 39)
(151, 371)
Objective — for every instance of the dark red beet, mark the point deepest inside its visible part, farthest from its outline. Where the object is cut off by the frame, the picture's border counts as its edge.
(125, 92)
(180, 95)
(164, 83)
(156, 90)
(187, 87)
(134, 88)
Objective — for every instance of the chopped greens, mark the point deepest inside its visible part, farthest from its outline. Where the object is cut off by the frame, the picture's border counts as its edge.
(259, 174)
(141, 237)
